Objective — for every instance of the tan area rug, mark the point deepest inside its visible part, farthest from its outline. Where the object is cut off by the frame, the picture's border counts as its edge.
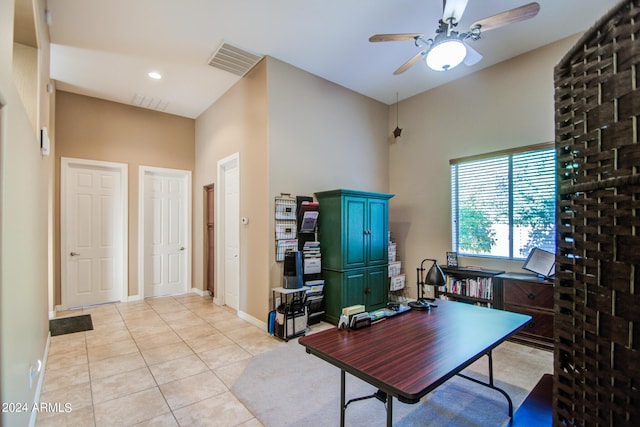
(288, 387)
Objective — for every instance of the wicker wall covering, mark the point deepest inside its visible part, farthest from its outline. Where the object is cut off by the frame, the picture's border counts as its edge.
(597, 289)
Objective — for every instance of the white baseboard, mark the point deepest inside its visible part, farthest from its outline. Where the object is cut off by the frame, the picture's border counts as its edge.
(198, 292)
(36, 398)
(134, 298)
(260, 324)
(245, 316)
(56, 309)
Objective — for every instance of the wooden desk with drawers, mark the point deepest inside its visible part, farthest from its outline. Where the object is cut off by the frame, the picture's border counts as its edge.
(528, 294)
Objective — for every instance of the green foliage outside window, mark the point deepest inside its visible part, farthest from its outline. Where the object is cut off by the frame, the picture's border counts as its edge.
(475, 233)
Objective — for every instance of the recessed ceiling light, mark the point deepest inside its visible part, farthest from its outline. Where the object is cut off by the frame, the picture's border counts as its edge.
(155, 75)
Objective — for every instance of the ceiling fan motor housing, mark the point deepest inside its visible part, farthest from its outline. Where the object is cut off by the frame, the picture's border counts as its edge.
(448, 47)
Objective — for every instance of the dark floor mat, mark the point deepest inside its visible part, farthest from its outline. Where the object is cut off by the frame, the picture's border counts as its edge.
(69, 325)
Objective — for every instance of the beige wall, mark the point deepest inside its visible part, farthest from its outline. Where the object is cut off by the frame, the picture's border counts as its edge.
(24, 219)
(296, 133)
(508, 105)
(322, 136)
(237, 123)
(94, 129)
(25, 74)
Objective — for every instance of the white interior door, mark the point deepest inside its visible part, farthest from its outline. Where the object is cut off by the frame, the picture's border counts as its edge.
(231, 236)
(229, 229)
(166, 235)
(93, 201)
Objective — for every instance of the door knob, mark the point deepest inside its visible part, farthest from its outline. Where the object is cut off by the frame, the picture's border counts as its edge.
(74, 254)
(182, 248)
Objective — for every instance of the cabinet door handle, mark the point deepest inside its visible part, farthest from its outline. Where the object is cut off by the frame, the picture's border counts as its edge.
(531, 296)
(367, 291)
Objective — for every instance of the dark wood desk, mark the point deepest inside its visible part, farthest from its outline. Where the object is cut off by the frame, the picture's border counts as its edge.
(411, 354)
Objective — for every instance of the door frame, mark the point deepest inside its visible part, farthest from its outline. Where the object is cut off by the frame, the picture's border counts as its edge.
(123, 170)
(228, 162)
(186, 175)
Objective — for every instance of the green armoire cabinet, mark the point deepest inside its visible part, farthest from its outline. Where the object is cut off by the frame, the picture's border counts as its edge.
(354, 233)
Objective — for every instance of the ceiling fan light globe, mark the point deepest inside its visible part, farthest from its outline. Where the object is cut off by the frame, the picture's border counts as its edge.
(446, 55)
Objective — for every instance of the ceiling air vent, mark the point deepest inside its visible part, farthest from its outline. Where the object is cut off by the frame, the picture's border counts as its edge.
(149, 102)
(234, 59)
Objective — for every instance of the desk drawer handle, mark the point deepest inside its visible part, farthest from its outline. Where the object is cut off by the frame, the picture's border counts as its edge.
(531, 296)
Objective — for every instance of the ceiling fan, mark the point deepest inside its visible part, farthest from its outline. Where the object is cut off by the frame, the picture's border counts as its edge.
(448, 48)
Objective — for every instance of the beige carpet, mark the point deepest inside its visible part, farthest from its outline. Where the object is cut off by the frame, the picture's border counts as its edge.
(288, 387)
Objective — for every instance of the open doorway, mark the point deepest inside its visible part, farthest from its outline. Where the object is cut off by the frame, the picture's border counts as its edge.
(209, 238)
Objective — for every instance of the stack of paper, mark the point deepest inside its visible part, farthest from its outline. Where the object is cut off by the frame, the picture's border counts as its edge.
(354, 309)
(312, 259)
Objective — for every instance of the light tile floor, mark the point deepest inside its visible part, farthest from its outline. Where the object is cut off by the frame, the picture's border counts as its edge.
(173, 361)
(159, 362)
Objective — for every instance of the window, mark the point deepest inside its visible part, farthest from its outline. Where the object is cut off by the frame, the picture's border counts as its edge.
(503, 204)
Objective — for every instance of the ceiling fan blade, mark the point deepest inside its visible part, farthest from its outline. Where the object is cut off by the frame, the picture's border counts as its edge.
(394, 37)
(453, 9)
(404, 67)
(473, 56)
(518, 14)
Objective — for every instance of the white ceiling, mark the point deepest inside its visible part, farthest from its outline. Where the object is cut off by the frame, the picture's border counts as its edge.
(105, 48)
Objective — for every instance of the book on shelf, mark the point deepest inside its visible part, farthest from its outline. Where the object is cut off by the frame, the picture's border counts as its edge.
(480, 287)
(448, 297)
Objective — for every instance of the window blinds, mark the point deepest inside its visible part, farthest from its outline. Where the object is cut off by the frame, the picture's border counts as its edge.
(503, 205)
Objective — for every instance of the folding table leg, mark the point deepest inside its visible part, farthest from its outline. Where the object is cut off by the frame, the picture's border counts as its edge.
(490, 384)
(342, 398)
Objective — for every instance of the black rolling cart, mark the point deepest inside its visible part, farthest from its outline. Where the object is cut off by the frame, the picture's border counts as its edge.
(290, 306)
